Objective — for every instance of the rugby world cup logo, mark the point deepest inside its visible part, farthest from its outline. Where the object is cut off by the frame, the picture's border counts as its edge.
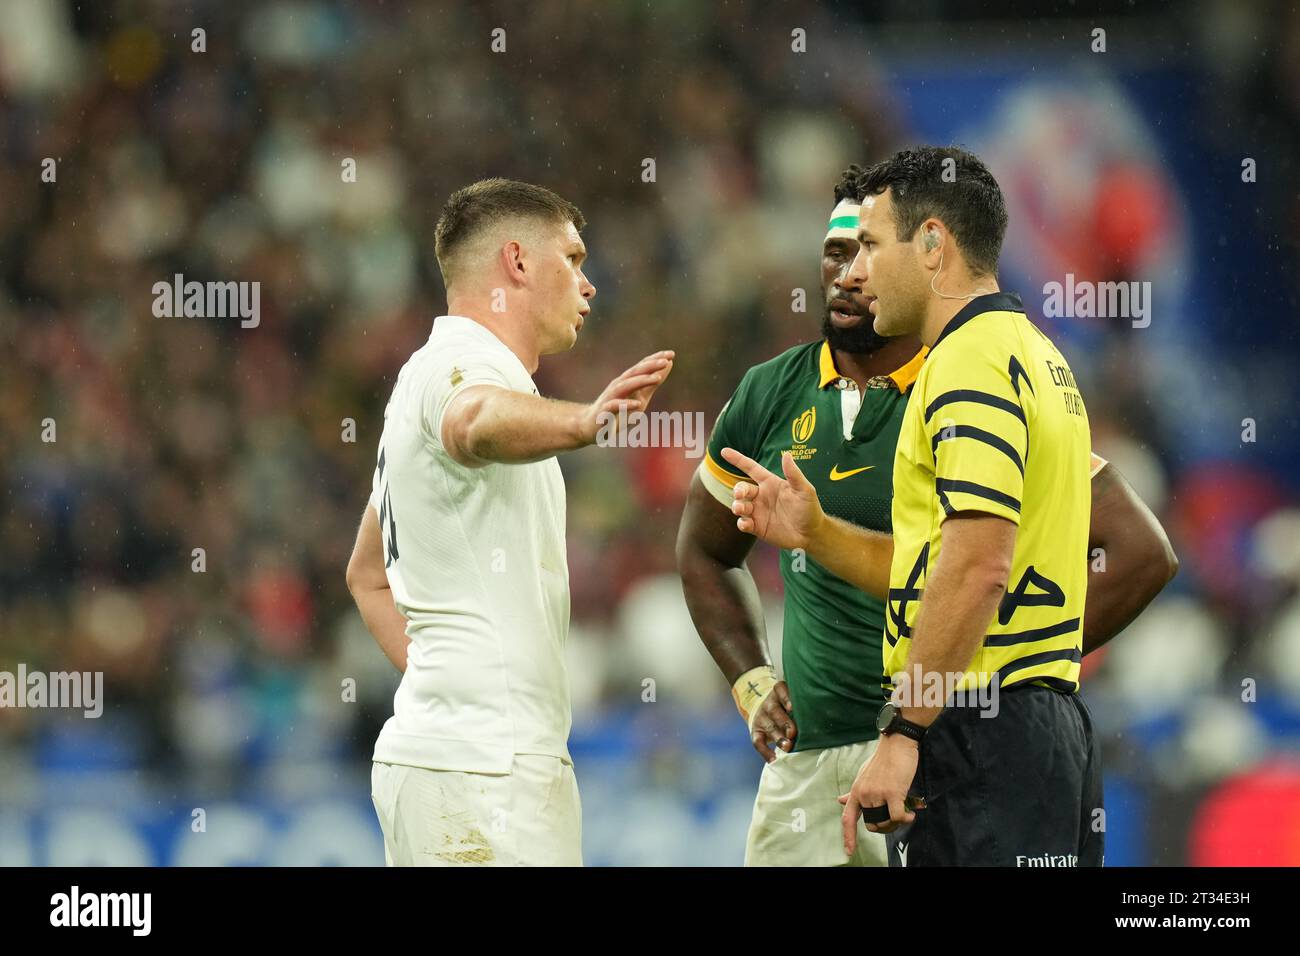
(802, 428)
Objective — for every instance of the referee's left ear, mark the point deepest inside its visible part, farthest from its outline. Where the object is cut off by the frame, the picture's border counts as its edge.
(931, 240)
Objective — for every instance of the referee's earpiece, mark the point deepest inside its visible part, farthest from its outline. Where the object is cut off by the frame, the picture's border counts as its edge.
(932, 240)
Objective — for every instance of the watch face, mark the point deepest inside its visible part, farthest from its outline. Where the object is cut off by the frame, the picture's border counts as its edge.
(885, 717)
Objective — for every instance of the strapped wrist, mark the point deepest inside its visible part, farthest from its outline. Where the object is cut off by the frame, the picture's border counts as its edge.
(751, 689)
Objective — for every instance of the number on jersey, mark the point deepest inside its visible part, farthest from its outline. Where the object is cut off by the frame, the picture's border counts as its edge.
(387, 525)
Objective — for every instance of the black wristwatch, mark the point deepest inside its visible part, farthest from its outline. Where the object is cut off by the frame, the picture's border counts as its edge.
(890, 721)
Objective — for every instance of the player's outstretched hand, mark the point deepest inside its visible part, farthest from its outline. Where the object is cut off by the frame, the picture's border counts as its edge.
(629, 392)
(784, 512)
(773, 725)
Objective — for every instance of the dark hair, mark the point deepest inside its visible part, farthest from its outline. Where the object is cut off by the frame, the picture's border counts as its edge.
(851, 185)
(469, 211)
(968, 200)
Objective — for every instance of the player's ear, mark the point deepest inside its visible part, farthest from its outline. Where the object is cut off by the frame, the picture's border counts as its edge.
(512, 260)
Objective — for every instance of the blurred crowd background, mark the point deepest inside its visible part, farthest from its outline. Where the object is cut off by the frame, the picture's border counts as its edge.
(225, 689)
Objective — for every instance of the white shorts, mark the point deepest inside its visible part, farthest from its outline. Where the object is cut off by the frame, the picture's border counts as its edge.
(797, 811)
(528, 817)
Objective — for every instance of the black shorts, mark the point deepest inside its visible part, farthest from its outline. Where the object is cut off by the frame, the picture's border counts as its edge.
(1022, 788)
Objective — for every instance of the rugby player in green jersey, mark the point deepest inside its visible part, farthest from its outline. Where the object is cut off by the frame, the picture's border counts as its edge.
(836, 405)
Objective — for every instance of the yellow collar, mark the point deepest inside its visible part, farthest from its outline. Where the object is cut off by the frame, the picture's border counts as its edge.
(903, 377)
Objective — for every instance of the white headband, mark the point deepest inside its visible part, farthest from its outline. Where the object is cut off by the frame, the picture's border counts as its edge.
(844, 221)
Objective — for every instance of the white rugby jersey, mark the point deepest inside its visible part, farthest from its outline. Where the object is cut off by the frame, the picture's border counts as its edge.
(476, 560)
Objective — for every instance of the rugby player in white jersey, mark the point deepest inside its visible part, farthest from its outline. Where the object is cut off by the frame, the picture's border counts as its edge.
(459, 568)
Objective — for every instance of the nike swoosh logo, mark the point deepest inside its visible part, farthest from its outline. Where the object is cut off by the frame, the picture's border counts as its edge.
(837, 475)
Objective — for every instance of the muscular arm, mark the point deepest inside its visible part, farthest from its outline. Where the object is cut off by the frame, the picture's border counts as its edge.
(858, 555)
(728, 613)
(1138, 559)
(962, 593)
(786, 513)
(485, 424)
(720, 592)
(369, 586)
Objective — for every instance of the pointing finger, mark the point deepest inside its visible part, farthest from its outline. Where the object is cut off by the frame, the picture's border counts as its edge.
(746, 464)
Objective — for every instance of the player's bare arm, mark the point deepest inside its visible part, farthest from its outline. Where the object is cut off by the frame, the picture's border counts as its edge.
(724, 604)
(485, 424)
(1138, 558)
(369, 586)
(787, 513)
(962, 593)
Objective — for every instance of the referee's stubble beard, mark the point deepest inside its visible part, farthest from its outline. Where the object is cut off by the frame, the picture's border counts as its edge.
(895, 272)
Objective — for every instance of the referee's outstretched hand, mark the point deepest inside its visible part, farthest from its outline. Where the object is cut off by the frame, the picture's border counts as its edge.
(783, 512)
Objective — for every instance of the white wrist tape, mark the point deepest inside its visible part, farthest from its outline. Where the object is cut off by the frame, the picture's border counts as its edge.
(751, 689)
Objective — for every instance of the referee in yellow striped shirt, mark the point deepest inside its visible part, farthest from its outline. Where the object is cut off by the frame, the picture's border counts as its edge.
(987, 753)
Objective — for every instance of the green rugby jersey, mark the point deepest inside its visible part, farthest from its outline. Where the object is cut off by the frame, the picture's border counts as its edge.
(843, 440)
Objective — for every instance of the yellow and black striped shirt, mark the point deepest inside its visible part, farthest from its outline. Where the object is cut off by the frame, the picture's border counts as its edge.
(996, 424)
